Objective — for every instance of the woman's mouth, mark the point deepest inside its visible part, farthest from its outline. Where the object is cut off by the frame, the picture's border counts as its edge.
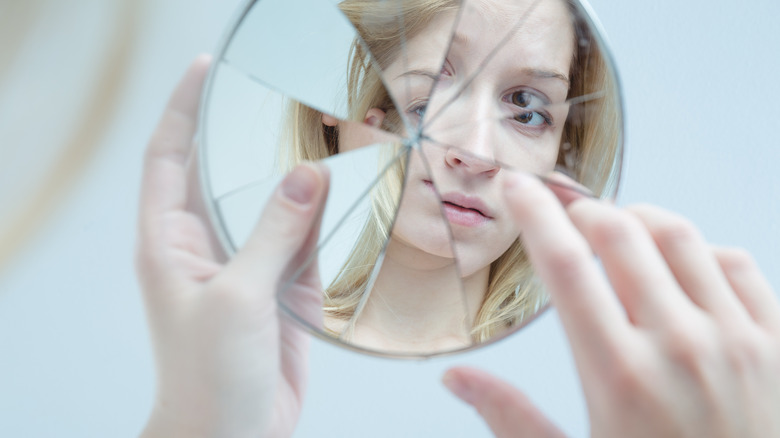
(467, 217)
(464, 210)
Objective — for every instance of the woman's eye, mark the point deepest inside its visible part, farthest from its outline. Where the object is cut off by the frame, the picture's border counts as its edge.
(529, 101)
(418, 110)
(522, 98)
(532, 118)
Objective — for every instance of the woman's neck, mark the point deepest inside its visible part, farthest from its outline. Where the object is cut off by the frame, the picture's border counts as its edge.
(419, 303)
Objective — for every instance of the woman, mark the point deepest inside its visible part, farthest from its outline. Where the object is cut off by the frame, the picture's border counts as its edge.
(466, 143)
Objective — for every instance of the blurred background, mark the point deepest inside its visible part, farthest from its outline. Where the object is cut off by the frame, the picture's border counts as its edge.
(82, 84)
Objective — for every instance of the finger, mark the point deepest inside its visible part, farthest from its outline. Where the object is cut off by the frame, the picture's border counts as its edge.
(691, 261)
(304, 299)
(300, 292)
(163, 187)
(164, 181)
(506, 410)
(592, 317)
(302, 295)
(565, 188)
(635, 267)
(750, 286)
(284, 227)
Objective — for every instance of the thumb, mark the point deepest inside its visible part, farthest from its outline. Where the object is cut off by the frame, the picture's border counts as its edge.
(506, 410)
(284, 229)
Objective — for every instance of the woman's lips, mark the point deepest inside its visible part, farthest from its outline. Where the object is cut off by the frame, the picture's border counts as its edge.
(466, 217)
(465, 210)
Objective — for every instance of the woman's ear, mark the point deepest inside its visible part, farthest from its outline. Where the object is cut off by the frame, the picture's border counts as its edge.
(329, 120)
(353, 135)
(374, 117)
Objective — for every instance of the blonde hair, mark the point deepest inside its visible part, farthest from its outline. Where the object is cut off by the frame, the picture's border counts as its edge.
(589, 152)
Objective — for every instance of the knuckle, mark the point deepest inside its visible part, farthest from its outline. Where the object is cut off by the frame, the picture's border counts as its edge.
(736, 259)
(287, 229)
(645, 210)
(626, 381)
(614, 229)
(747, 352)
(579, 211)
(676, 231)
(284, 219)
(691, 346)
(629, 374)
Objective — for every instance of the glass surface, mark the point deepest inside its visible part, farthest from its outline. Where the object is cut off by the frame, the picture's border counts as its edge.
(420, 109)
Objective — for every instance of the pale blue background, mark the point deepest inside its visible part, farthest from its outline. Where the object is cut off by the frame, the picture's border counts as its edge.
(701, 89)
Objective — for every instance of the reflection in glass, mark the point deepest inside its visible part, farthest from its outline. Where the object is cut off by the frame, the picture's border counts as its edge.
(420, 109)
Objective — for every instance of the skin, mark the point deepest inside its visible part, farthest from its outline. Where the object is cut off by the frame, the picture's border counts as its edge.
(424, 292)
(694, 352)
(475, 135)
(682, 339)
(227, 364)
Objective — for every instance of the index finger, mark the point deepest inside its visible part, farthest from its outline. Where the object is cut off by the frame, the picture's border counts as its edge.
(164, 186)
(591, 314)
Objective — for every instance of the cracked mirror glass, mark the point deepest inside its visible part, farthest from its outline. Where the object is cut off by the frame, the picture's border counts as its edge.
(420, 109)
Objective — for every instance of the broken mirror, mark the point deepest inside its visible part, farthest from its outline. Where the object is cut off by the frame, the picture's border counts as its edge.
(420, 109)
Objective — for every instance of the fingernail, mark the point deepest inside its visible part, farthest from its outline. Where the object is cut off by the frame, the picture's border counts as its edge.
(300, 185)
(458, 387)
(563, 180)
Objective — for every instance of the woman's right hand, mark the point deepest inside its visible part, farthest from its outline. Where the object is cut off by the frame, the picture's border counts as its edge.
(677, 340)
(227, 364)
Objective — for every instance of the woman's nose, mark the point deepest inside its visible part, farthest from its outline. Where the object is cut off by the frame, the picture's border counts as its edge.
(463, 160)
(467, 128)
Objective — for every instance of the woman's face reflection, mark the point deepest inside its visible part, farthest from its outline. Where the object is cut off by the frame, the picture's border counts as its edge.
(421, 110)
(512, 112)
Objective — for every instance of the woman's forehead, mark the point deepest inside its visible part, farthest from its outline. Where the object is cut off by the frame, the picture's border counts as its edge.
(540, 27)
(533, 13)
(539, 31)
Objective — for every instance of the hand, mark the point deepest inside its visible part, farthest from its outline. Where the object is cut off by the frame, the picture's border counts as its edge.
(227, 365)
(681, 340)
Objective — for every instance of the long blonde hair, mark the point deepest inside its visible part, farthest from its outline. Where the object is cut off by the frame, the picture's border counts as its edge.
(589, 152)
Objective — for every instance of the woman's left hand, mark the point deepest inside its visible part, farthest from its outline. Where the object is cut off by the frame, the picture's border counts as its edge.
(679, 339)
(227, 364)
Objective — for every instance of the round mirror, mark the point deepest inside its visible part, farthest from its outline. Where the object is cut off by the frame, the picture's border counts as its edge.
(420, 109)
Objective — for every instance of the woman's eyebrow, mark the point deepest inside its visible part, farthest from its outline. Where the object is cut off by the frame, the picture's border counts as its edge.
(426, 73)
(527, 71)
(543, 74)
